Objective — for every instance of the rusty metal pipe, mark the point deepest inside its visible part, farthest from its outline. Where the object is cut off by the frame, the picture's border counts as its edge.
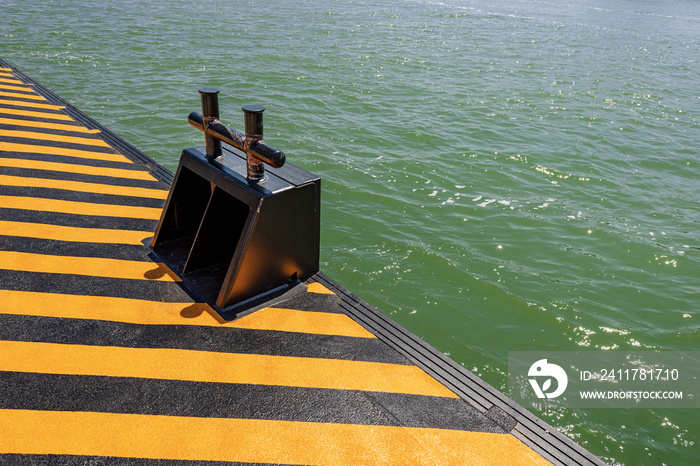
(253, 116)
(210, 114)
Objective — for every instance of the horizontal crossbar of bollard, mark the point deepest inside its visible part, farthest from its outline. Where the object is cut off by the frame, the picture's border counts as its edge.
(267, 154)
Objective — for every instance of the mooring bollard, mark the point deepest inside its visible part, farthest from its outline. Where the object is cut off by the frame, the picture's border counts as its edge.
(234, 232)
(251, 142)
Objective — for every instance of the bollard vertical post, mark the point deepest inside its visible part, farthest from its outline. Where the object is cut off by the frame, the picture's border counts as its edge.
(253, 115)
(210, 112)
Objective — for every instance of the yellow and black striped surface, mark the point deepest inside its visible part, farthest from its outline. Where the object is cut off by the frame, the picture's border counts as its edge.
(105, 358)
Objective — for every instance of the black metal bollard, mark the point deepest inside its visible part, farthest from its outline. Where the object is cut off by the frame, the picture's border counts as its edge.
(236, 234)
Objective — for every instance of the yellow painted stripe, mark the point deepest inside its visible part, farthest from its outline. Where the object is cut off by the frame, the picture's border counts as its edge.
(52, 137)
(50, 150)
(76, 168)
(205, 366)
(51, 116)
(318, 288)
(4, 79)
(182, 438)
(44, 125)
(79, 186)
(291, 320)
(75, 234)
(21, 96)
(22, 87)
(133, 311)
(126, 310)
(17, 103)
(78, 208)
(91, 266)
(6, 74)
(5, 69)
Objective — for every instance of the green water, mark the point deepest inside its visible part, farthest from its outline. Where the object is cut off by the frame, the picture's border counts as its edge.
(498, 176)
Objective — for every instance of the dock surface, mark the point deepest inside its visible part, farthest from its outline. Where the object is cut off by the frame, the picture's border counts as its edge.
(107, 358)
